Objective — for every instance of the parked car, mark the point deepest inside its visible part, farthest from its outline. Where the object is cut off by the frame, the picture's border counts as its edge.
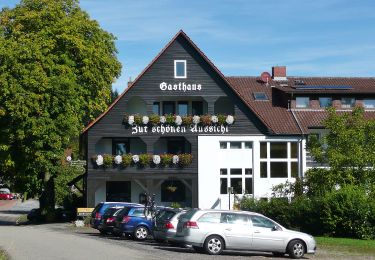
(5, 194)
(165, 225)
(132, 221)
(99, 210)
(213, 231)
(108, 220)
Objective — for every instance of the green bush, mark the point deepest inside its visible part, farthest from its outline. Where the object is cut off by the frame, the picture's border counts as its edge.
(348, 212)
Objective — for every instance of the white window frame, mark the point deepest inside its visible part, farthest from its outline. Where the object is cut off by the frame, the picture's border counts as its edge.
(241, 176)
(287, 160)
(175, 70)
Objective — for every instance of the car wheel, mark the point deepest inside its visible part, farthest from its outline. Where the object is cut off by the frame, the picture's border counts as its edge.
(214, 245)
(141, 233)
(296, 249)
(278, 254)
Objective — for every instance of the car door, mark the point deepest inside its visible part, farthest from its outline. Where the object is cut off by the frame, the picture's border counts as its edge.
(237, 230)
(265, 236)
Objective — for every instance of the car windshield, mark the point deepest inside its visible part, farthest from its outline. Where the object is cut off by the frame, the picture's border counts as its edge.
(109, 212)
(165, 215)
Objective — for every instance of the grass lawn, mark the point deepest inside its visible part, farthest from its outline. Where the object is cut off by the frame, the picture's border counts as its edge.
(355, 247)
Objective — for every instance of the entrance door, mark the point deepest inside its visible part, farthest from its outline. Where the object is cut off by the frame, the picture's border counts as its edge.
(118, 191)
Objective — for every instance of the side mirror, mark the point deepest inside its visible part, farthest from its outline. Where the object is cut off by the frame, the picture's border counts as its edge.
(275, 228)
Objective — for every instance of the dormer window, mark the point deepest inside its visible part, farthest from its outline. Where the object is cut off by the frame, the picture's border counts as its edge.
(302, 102)
(180, 69)
(347, 102)
(260, 96)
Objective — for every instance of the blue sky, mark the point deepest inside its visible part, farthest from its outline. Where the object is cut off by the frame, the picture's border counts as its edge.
(245, 37)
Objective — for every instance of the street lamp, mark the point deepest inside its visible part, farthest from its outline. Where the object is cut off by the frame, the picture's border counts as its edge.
(230, 191)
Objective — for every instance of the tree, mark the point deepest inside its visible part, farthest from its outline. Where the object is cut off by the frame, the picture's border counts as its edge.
(56, 71)
(348, 149)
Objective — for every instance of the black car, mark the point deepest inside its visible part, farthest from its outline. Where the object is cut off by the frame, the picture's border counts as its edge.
(108, 220)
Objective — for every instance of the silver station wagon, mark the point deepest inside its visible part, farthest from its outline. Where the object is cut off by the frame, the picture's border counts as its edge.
(213, 231)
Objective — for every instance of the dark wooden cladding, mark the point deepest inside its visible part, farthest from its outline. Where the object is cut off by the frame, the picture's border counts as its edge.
(147, 88)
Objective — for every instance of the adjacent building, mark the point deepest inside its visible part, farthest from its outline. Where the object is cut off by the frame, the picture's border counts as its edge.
(190, 135)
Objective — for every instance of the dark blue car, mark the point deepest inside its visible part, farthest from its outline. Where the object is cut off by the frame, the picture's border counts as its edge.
(132, 221)
(98, 212)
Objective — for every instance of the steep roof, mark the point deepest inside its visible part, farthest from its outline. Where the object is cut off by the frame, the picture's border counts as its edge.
(279, 119)
(182, 34)
(273, 113)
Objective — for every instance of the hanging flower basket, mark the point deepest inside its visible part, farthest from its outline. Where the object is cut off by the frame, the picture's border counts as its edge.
(172, 188)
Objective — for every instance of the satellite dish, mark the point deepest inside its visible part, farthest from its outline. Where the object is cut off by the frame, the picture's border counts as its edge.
(265, 77)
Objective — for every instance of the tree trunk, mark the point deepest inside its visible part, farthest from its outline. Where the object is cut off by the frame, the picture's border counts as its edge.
(47, 198)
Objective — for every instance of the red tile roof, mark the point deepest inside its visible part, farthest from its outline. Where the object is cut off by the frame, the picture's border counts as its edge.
(279, 119)
(314, 118)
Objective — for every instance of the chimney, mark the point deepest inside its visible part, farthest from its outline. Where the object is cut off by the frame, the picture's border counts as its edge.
(279, 73)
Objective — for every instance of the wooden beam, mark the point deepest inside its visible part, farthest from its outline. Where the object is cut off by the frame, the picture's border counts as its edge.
(141, 185)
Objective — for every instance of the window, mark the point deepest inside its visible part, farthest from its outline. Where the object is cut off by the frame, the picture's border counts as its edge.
(182, 108)
(302, 102)
(279, 170)
(347, 102)
(235, 145)
(120, 147)
(278, 150)
(231, 218)
(248, 145)
(260, 96)
(235, 171)
(138, 212)
(176, 145)
(241, 180)
(156, 108)
(263, 169)
(294, 150)
(259, 221)
(294, 169)
(211, 217)
(168, 108)
(369, 103)
(223, 145)
(180, 69)
(325, 101)
(279, 159)
(263, 150)
(249, 185)
(197, 108)
(223, 186)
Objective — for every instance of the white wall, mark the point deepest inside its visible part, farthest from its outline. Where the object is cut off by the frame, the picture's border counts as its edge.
(211, 158)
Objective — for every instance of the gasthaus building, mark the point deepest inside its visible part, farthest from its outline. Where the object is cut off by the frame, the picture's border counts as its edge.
(188, 134)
